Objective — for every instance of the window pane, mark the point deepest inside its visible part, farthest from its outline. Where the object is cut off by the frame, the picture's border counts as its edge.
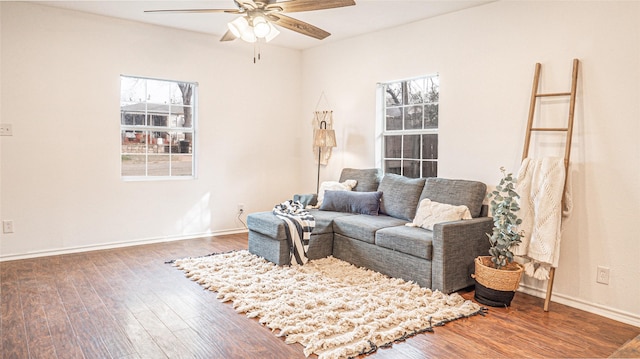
(392, 146)
(158, 92)
(393, 94)
(181, 165)
(134, 141)
(182, 93)
(181, 116)
(132, 90)
(133, 165)
(411, 169)
(392, 167)
(413, 117)
(431, 116)
(132, 118)
(430, 146)
(158, 165)
(415, 88)
(394, 119)
(184, 141)
(411, 147)
(429, 169)
(159, 120)
(433, 89)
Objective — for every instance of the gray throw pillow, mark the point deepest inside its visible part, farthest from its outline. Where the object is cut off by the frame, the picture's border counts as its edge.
(368, 179)
(401, 195)
(352, 202)
(456, 192)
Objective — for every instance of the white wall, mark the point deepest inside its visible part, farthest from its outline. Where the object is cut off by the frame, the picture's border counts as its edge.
(60, 88)
(485, 57)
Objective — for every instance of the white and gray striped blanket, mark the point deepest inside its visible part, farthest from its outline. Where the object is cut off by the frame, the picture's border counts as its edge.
(298, 225)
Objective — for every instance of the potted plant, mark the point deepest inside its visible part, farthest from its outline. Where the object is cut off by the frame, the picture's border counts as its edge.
(497, 275)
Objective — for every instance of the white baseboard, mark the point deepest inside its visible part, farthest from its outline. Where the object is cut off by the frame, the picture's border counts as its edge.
(607, 312)
(137, 242)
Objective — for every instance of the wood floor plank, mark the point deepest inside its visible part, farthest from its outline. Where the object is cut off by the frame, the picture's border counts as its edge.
(64, 338)
(12, 325)
(87, 336)
(164, 337)
(127, 303)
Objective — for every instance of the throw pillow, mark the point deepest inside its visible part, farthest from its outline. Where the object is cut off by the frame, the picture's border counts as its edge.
(352, 202)
(456, 192)
(334, 186)
(368, 179)
(401, 195)
(430, 213)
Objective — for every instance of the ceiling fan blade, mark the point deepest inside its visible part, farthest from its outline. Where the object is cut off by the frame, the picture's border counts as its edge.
(309, 5)
(228, 36)
(298, 26)
(228, 11)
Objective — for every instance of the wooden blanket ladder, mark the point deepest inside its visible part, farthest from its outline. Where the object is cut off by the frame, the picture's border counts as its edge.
(535, 95)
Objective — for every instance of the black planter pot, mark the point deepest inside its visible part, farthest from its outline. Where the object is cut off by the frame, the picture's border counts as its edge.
(492, 297)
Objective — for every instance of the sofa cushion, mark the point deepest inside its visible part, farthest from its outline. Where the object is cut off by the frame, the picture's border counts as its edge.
(431, 212)
(352, 202)
(268, 224)
(271, 226)
(324, 220)
(410, 240)
(456, 192)
(368, 179)
(400, 195)
(363, 227)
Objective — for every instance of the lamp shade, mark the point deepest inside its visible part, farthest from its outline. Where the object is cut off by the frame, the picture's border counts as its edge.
(239, 26)
(273, 32)
(261, 27)
(324, 138)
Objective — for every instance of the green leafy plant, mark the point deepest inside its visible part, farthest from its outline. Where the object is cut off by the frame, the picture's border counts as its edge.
(504, 206)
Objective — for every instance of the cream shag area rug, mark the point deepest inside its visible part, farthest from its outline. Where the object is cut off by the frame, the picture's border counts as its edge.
(332, 308)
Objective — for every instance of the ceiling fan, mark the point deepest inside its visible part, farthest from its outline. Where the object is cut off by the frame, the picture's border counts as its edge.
(259, 16)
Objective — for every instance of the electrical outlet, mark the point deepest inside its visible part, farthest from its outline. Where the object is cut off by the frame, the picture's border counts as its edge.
(7, 226)
(6, 129)
(240, 208)
(603, 275)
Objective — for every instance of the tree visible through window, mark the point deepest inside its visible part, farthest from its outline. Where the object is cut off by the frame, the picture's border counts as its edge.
(157, 128)
(410, 127)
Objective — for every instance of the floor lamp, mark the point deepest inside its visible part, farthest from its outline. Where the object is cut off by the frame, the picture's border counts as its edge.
(323, 138)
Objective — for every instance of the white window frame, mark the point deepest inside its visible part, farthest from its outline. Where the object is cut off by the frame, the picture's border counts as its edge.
(382, 131)
(173, 147)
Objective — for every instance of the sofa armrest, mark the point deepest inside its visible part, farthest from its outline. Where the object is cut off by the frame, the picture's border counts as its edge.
(455, 246)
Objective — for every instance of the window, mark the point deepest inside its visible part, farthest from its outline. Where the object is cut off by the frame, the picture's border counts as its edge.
(409, 126)
(157, 128)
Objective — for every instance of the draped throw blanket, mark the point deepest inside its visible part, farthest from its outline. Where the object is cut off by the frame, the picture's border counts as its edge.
(298, 225)
(541, 186)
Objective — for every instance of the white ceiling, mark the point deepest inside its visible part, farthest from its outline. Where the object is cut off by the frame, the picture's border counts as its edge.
(366, 16)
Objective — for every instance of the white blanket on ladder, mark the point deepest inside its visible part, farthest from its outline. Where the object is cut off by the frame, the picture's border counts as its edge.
(298, 225)
(540, 186)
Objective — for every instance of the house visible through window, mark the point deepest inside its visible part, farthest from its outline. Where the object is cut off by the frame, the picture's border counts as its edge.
(157, 126)
(410, 126)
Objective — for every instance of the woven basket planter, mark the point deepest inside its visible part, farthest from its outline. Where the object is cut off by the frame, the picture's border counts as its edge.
(496, 287)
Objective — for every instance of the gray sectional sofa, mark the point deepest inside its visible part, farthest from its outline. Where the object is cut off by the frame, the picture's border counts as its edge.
(441, 258)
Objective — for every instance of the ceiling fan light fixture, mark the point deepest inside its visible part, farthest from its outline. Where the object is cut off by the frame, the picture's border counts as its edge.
(239, 26)
(261, 27)
(273, 32)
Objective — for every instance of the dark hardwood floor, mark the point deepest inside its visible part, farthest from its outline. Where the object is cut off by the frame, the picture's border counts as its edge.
(127, 303)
